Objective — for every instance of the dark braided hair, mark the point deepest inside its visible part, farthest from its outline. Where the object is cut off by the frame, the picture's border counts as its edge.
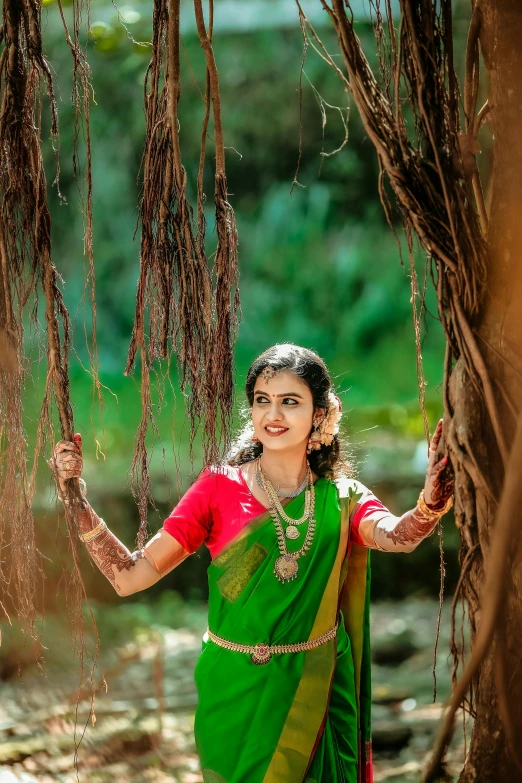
(330, 461)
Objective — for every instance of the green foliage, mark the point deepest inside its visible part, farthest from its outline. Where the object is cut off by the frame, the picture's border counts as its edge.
(319, 265)
(128, 622)
(141, 619)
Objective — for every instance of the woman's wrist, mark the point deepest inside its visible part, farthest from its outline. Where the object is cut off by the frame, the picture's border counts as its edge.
(434, 510)
(87, 519)
(96, 531)
(109, 554)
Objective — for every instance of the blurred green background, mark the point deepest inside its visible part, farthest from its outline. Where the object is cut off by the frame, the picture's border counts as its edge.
(319, 266)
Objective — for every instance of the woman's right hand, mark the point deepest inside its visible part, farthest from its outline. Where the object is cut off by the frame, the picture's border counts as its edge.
(67, 462)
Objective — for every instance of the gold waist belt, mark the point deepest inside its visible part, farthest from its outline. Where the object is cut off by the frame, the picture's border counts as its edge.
(261, 653)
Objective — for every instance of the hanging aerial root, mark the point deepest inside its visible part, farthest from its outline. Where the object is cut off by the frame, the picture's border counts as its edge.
(220, 362)
(434, 200)
(179, 307)
(26, 268)
(81, 96)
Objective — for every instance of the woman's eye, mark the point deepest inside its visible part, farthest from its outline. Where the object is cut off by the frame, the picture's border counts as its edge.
(287, 400)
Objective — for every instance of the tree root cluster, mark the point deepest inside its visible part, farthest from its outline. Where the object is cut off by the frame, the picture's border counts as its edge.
(410, 110)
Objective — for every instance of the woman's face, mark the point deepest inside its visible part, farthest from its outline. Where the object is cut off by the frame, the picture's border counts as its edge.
(282, 411)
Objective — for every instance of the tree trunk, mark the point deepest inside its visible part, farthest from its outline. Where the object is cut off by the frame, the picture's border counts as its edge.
(500, 340)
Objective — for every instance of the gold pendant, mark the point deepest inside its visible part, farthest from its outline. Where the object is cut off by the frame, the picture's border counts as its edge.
(292, 532)
(261, 654)
(286, 568)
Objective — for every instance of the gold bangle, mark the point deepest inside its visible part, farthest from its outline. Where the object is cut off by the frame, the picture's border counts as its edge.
(94, 533)
(431, 512)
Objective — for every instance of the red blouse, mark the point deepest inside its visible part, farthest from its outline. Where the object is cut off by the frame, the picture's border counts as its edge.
(219, 504)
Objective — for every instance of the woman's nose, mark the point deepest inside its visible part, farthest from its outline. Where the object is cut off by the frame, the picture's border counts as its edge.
(275, 411)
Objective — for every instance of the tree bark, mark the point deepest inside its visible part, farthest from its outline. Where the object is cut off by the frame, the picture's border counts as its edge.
(499, 332)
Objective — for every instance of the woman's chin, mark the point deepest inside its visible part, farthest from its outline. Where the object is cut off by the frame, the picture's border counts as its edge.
(280, 444)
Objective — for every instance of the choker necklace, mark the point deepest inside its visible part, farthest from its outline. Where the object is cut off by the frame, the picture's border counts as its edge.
(295, 493)
(286, 566)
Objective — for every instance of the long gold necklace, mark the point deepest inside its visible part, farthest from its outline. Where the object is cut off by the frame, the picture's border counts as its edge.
(291, 531)
(265, 483)
(286, 566)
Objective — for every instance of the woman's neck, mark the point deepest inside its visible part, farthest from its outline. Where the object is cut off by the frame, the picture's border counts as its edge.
(284, 468)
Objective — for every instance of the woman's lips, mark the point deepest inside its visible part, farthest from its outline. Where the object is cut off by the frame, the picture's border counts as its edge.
(276, 434)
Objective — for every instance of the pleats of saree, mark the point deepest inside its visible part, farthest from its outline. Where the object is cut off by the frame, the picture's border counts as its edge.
(336, 757)
(295, 719)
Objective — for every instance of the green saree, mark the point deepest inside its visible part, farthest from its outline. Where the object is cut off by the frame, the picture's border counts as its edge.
(302, 716)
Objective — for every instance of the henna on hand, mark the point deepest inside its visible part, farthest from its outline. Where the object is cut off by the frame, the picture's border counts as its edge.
(442, 489)
(106, 550)
(109, 553)
(439, 484)
(406, 532)
(67, 462)
(87, 518)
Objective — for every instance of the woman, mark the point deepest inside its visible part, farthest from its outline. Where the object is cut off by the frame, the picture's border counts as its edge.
(284, 676)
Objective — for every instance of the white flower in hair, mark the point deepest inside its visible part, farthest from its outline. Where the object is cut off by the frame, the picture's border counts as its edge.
(329, 427)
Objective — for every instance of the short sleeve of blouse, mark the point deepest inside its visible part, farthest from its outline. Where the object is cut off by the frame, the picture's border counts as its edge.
(365, 512)
(190, 522)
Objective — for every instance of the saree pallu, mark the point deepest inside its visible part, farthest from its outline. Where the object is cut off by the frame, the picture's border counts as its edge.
(302, 716)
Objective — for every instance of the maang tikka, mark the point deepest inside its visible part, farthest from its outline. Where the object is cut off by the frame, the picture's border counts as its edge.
(266, 373)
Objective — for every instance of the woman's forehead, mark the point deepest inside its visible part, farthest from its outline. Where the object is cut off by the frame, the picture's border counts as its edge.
(282, 382)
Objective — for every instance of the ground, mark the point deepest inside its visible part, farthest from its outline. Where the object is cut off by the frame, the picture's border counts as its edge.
(143, 722)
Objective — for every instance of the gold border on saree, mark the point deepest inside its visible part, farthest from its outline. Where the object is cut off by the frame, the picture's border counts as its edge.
(261, 653)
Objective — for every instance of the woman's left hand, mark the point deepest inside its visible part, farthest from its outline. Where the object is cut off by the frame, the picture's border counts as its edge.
(439, 484)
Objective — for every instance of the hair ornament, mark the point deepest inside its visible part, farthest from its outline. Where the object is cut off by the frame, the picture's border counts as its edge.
(267, 373)
(329, 427)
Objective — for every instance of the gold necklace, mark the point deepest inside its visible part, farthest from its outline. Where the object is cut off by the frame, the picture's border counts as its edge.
(293, 493)
(291, 531)
(286, 566)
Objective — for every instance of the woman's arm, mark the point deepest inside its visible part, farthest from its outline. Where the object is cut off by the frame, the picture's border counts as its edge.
(127, 572)
(397, 534)
(130, 572)
(376, 527)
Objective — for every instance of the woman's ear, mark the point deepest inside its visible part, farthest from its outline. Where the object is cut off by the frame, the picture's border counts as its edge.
(319, 415)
